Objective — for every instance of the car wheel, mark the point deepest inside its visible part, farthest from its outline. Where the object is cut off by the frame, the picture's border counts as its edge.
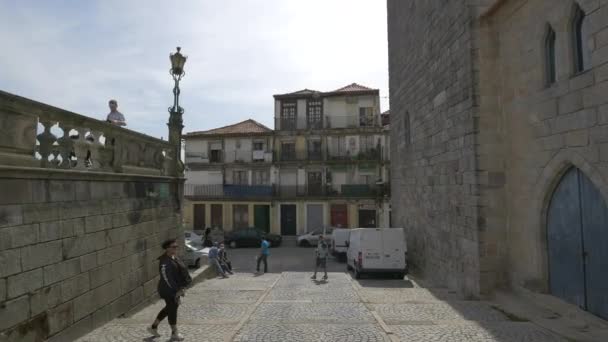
(197, 264)
(233, 244)
(304, 243)
(348, 267)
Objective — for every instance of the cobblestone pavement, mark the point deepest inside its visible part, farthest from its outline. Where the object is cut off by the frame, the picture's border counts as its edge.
(291, 307)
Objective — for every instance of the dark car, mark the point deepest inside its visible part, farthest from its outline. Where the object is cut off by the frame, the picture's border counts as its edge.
(250, 237)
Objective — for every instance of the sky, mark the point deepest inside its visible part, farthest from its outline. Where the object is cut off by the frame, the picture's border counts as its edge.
(77, 55)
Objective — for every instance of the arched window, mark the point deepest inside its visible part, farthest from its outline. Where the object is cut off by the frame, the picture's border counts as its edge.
(580, 35)
(406, 128)
(550, 74)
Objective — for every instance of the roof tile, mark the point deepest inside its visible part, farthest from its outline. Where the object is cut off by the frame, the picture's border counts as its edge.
(245, 127)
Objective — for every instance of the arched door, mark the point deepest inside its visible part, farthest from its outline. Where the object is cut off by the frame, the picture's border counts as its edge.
(577, 240)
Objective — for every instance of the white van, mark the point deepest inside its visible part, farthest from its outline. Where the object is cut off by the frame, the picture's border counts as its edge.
(339, 242)
(377, 250)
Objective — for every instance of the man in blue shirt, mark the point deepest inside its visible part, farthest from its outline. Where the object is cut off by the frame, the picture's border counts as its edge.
(264, 253)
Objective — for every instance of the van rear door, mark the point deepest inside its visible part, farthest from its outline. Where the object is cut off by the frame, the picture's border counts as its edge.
(393, 251)
(371, 247)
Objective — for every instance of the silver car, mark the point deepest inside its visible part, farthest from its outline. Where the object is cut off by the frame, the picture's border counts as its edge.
(312, 238)
(194, 255)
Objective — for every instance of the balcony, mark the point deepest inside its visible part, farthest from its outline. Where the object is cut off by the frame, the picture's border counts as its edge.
(198, 191)
(219, 191)
(343, 154)
(315, 155)
(344, 190)
(327, 122)
(231, 156)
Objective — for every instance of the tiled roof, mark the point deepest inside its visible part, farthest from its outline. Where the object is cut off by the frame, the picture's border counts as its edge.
(245, 127)
(305, 91)
(354, 87)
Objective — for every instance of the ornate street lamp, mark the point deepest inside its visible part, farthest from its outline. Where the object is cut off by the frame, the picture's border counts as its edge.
(175, 119)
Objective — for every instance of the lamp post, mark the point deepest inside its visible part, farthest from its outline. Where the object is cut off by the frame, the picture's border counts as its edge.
(175, 118)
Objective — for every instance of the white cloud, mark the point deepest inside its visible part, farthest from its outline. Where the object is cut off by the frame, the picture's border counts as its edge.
(77, 55)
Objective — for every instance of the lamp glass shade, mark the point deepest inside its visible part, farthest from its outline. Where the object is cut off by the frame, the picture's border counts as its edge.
(177, 63)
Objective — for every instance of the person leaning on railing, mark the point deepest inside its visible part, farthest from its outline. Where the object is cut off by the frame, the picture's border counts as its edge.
(115, 117)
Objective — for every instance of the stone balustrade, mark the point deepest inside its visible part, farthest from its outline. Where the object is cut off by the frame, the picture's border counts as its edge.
(34, 134)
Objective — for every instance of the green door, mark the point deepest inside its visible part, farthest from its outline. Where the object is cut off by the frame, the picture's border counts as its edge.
(261, 217)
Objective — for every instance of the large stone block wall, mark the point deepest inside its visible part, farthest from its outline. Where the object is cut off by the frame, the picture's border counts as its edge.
(433, 126)
(78, 249)
(480, 140)
(539, 131)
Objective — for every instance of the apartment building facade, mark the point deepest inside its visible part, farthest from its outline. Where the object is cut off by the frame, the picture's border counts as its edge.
(325, 165)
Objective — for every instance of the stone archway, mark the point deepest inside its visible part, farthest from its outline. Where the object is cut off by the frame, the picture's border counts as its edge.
(574, 231)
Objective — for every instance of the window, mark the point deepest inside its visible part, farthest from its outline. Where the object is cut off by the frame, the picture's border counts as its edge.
(288, 151)
(261, 177)
(314, 114)
(315, 183)
(406, 128)
(216, 156)
(550, 56)
(258, 146)
(366, 116)
(367, 179)
(314, 150)
(288, 115)
(239, 177)
(580, 34)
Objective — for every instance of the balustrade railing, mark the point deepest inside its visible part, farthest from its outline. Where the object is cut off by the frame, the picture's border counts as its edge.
(328, 121)
(39, 135)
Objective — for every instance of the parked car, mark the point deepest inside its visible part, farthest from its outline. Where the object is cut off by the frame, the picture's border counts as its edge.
(192, 236)
(195, 256)
(250, 237)
(312, 238)
(339, 243)
(377, 250)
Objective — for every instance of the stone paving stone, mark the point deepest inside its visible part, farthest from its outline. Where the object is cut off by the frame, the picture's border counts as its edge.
(323, 295)
(312, 312)
(224, 296)
(434, 312)
(137, 332)
(197, 311)
(311, 333)
(475, 332)
(242, 282)
(414, 295)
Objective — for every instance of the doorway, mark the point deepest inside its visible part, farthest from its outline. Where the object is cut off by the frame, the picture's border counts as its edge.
(261, 217)
(217, 220)
(314, 217)
(199, 217)
(288, 219)
(240, 214)
(367, 218)
(339, 216)
(577, 236)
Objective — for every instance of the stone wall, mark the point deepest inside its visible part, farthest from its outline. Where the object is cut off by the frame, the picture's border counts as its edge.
(482, 140)
(540, 130)
(434, 194)
(78, 252)
(81, 220)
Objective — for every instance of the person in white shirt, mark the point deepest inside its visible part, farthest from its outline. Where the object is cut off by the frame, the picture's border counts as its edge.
(321, 257)
(115, 117)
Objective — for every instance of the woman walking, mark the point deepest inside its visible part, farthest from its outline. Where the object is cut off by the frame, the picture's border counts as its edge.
(174, 278)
